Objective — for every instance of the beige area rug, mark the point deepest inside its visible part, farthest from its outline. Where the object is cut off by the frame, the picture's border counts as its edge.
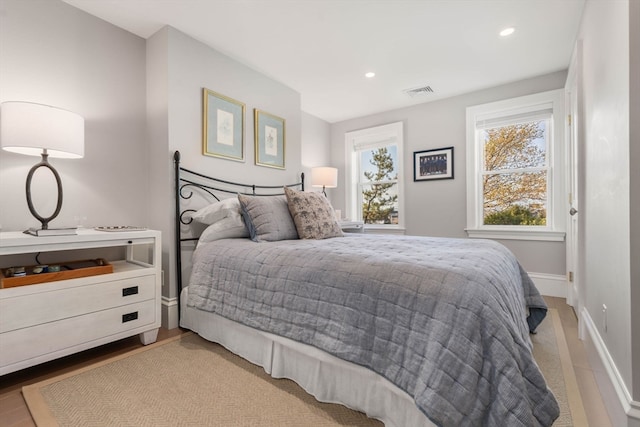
(551, 352)
(189, 381)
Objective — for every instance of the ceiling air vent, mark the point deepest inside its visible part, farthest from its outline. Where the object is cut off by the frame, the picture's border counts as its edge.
(418, 91)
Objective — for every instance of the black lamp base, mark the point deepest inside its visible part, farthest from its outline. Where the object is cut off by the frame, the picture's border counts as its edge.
(44, 163)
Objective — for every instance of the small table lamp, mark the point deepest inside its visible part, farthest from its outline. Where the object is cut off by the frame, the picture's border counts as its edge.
(36, 129)
(324, 177)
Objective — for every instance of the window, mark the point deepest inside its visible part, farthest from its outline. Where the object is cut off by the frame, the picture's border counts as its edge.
(374, 173)
(515, 182)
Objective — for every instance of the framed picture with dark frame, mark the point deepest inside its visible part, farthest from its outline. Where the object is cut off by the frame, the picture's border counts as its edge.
(269, 133)
(222, 126)
(429, 165)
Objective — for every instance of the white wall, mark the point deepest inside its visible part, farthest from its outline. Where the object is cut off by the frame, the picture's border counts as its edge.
(55, 54)
(612, 276)
(438, 208)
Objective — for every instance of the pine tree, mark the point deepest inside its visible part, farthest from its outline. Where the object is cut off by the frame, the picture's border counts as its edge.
(377, 203)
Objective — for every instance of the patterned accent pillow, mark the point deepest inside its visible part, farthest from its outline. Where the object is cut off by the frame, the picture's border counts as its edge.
(267, 218)
(313, 215)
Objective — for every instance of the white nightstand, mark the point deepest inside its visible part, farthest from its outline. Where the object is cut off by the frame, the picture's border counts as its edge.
(44, 321)
(352, 226)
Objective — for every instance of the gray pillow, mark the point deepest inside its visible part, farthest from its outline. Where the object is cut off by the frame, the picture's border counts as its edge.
(313, 215)
(267, 218)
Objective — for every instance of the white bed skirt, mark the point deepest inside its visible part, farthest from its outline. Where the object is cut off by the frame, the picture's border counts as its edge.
(326, 377)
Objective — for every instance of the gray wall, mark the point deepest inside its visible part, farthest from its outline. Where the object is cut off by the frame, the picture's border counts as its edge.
(438, 208)
(634, 192)
(610, 212)
(316, 134)
(52, 53)
(316, 149)
(179, 68)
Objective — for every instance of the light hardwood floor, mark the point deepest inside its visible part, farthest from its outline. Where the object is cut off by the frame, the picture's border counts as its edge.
(14, 412)
(589, 391)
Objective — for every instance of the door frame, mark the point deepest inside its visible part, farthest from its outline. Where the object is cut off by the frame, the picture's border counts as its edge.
(575, 254)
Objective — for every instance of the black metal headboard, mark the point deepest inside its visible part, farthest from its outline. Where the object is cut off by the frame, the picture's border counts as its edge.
(188, 181)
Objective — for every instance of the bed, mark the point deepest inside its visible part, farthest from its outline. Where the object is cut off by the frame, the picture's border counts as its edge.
(413, 331)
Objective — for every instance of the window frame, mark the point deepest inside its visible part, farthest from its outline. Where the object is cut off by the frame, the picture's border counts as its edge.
(372, 138)
(528, 105)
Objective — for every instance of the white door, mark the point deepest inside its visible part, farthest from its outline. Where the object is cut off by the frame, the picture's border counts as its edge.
(574, 187)
(574, 205)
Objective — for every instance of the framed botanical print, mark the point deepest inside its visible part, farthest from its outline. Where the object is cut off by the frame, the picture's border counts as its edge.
(223, 126)
(269, 132)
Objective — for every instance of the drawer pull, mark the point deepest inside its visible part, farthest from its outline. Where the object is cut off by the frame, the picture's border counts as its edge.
(129, 317)
(133, 290)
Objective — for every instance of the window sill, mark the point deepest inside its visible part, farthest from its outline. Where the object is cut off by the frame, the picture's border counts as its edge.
(545, 235)
(383, 229)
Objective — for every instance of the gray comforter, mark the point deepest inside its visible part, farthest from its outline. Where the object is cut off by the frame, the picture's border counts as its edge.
(443, 319)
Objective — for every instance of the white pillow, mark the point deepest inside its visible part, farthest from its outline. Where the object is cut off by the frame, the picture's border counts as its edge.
(218, 211)
(227, 228)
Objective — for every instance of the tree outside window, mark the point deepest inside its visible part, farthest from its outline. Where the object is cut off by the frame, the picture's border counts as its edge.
(379, 186)
(514, 181)
(515, 168)
(374, 192)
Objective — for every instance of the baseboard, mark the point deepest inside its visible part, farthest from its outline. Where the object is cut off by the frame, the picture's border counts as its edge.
(623, 411)
(170, 317)
(551, 285)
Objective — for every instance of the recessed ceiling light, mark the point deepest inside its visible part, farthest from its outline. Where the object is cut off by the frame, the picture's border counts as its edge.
(370, 74)
(507, 31)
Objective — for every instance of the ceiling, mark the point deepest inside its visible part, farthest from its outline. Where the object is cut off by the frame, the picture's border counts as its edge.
(323, 48)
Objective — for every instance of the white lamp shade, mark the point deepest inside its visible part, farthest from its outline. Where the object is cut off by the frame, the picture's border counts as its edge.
(324, 177)
(28, 128)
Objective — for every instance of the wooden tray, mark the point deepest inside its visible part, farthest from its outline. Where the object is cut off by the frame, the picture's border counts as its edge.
(68, 270)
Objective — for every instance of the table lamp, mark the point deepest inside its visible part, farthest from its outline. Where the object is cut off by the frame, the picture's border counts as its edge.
(324, 177)
(41, 130)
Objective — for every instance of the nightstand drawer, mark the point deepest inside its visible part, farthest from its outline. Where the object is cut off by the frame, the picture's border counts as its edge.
(39, 341)
(49, 306)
